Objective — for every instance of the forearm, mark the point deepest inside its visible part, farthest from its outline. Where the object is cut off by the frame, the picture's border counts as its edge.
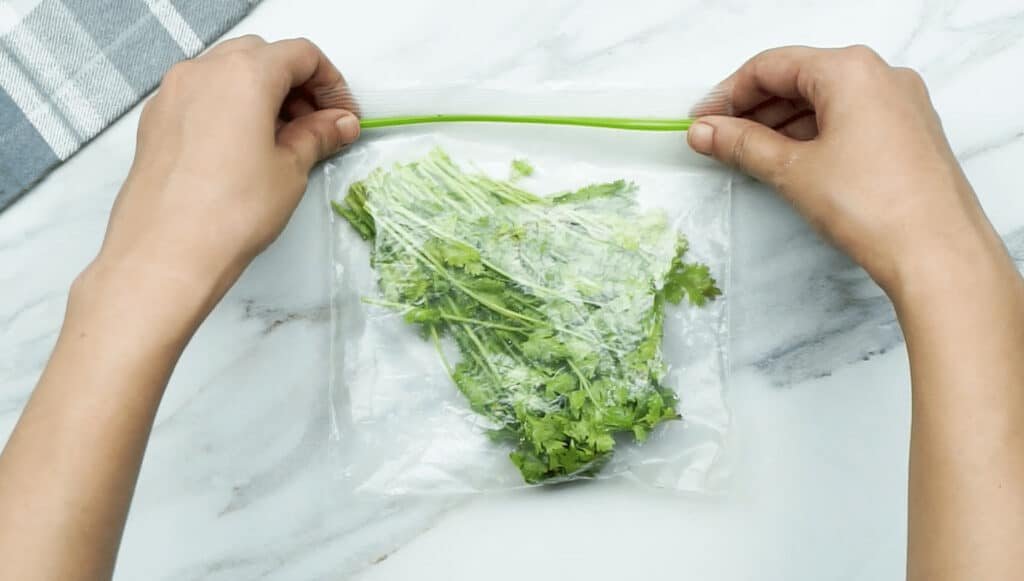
(212, 184)
(963, 316)
(68, 472)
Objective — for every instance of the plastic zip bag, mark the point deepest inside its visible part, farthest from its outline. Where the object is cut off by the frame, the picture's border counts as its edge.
(647, 109)
(497, 298)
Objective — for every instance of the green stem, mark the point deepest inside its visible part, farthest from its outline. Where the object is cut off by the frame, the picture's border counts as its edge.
(441, 270)
(476, 341)
(449, 175)
(402, 237)
(440, 352)
(484, 323)
(388, 304)
(541, 289)
(584, 384)
(447, 316)
(634, 124)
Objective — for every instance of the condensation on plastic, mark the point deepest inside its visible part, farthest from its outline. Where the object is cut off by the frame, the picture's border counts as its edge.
(401, 426)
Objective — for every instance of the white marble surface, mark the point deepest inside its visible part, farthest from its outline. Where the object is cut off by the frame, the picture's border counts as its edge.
(235, 484)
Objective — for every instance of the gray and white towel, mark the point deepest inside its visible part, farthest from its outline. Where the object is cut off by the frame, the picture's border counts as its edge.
(69, 68)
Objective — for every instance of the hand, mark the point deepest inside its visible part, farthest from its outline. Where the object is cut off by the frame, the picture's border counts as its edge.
(223, 156)
(856, 146)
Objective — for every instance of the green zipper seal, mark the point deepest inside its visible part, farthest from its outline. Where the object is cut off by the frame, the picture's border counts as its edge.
(605, 122)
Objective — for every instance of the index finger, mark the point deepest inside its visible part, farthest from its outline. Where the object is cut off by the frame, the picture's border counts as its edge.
(303, 64)
(790, 72)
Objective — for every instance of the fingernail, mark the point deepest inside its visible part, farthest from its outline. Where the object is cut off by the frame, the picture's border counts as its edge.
(701, 136)
(348, 127)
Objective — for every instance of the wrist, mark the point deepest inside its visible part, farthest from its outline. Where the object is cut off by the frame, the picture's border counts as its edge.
(961, 270)
(146, 303)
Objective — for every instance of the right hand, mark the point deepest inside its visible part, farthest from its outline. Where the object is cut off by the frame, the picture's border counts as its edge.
(856, 146)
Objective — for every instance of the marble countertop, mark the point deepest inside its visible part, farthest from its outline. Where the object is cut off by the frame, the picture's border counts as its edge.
(235, 483)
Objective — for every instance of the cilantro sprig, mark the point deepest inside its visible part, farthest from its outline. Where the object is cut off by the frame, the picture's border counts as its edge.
(556, 303)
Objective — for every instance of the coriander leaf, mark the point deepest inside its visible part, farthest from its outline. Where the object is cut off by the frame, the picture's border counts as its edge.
(520, 169)
(595, 191)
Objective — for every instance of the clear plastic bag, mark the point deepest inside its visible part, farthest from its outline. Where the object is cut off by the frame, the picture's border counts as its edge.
(496, 322)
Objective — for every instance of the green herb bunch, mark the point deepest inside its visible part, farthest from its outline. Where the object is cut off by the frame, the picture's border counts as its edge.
(556, 303)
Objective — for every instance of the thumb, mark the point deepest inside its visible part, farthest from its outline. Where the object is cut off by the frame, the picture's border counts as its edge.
(751, 147)
(318, 135)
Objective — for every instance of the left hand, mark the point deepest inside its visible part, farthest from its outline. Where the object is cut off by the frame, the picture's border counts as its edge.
(223, 156)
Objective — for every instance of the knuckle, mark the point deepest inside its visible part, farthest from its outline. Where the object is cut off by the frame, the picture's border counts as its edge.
(147, 109)
(146, 117)
(242, 41)
(308, 50)
(323, 143)
(239, 59)
(297, 171)
(252, 39)
(296, 160)
(178, 75)
(330, 142)
(243, 63)
(859, 64)
(862, 53)
(911, 78)
(908, 73)
(300, 155)
(740, 147)
(305, 44)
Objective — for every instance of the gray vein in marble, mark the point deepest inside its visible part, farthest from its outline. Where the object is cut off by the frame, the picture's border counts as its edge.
(676, 24)
(186, 408)
(278, 474)
(1015, 246)
(834, 326)
(821, 354)
(38, 301)
(396, 522)
(996, 143)
(81, 207)
(963, 46)
(557, 60)
(18, 377)
(900, 54)
(273, 317)
(846, 326)
(26, 352)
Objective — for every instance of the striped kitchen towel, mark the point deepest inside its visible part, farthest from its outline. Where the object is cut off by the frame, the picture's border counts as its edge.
(69, 68)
